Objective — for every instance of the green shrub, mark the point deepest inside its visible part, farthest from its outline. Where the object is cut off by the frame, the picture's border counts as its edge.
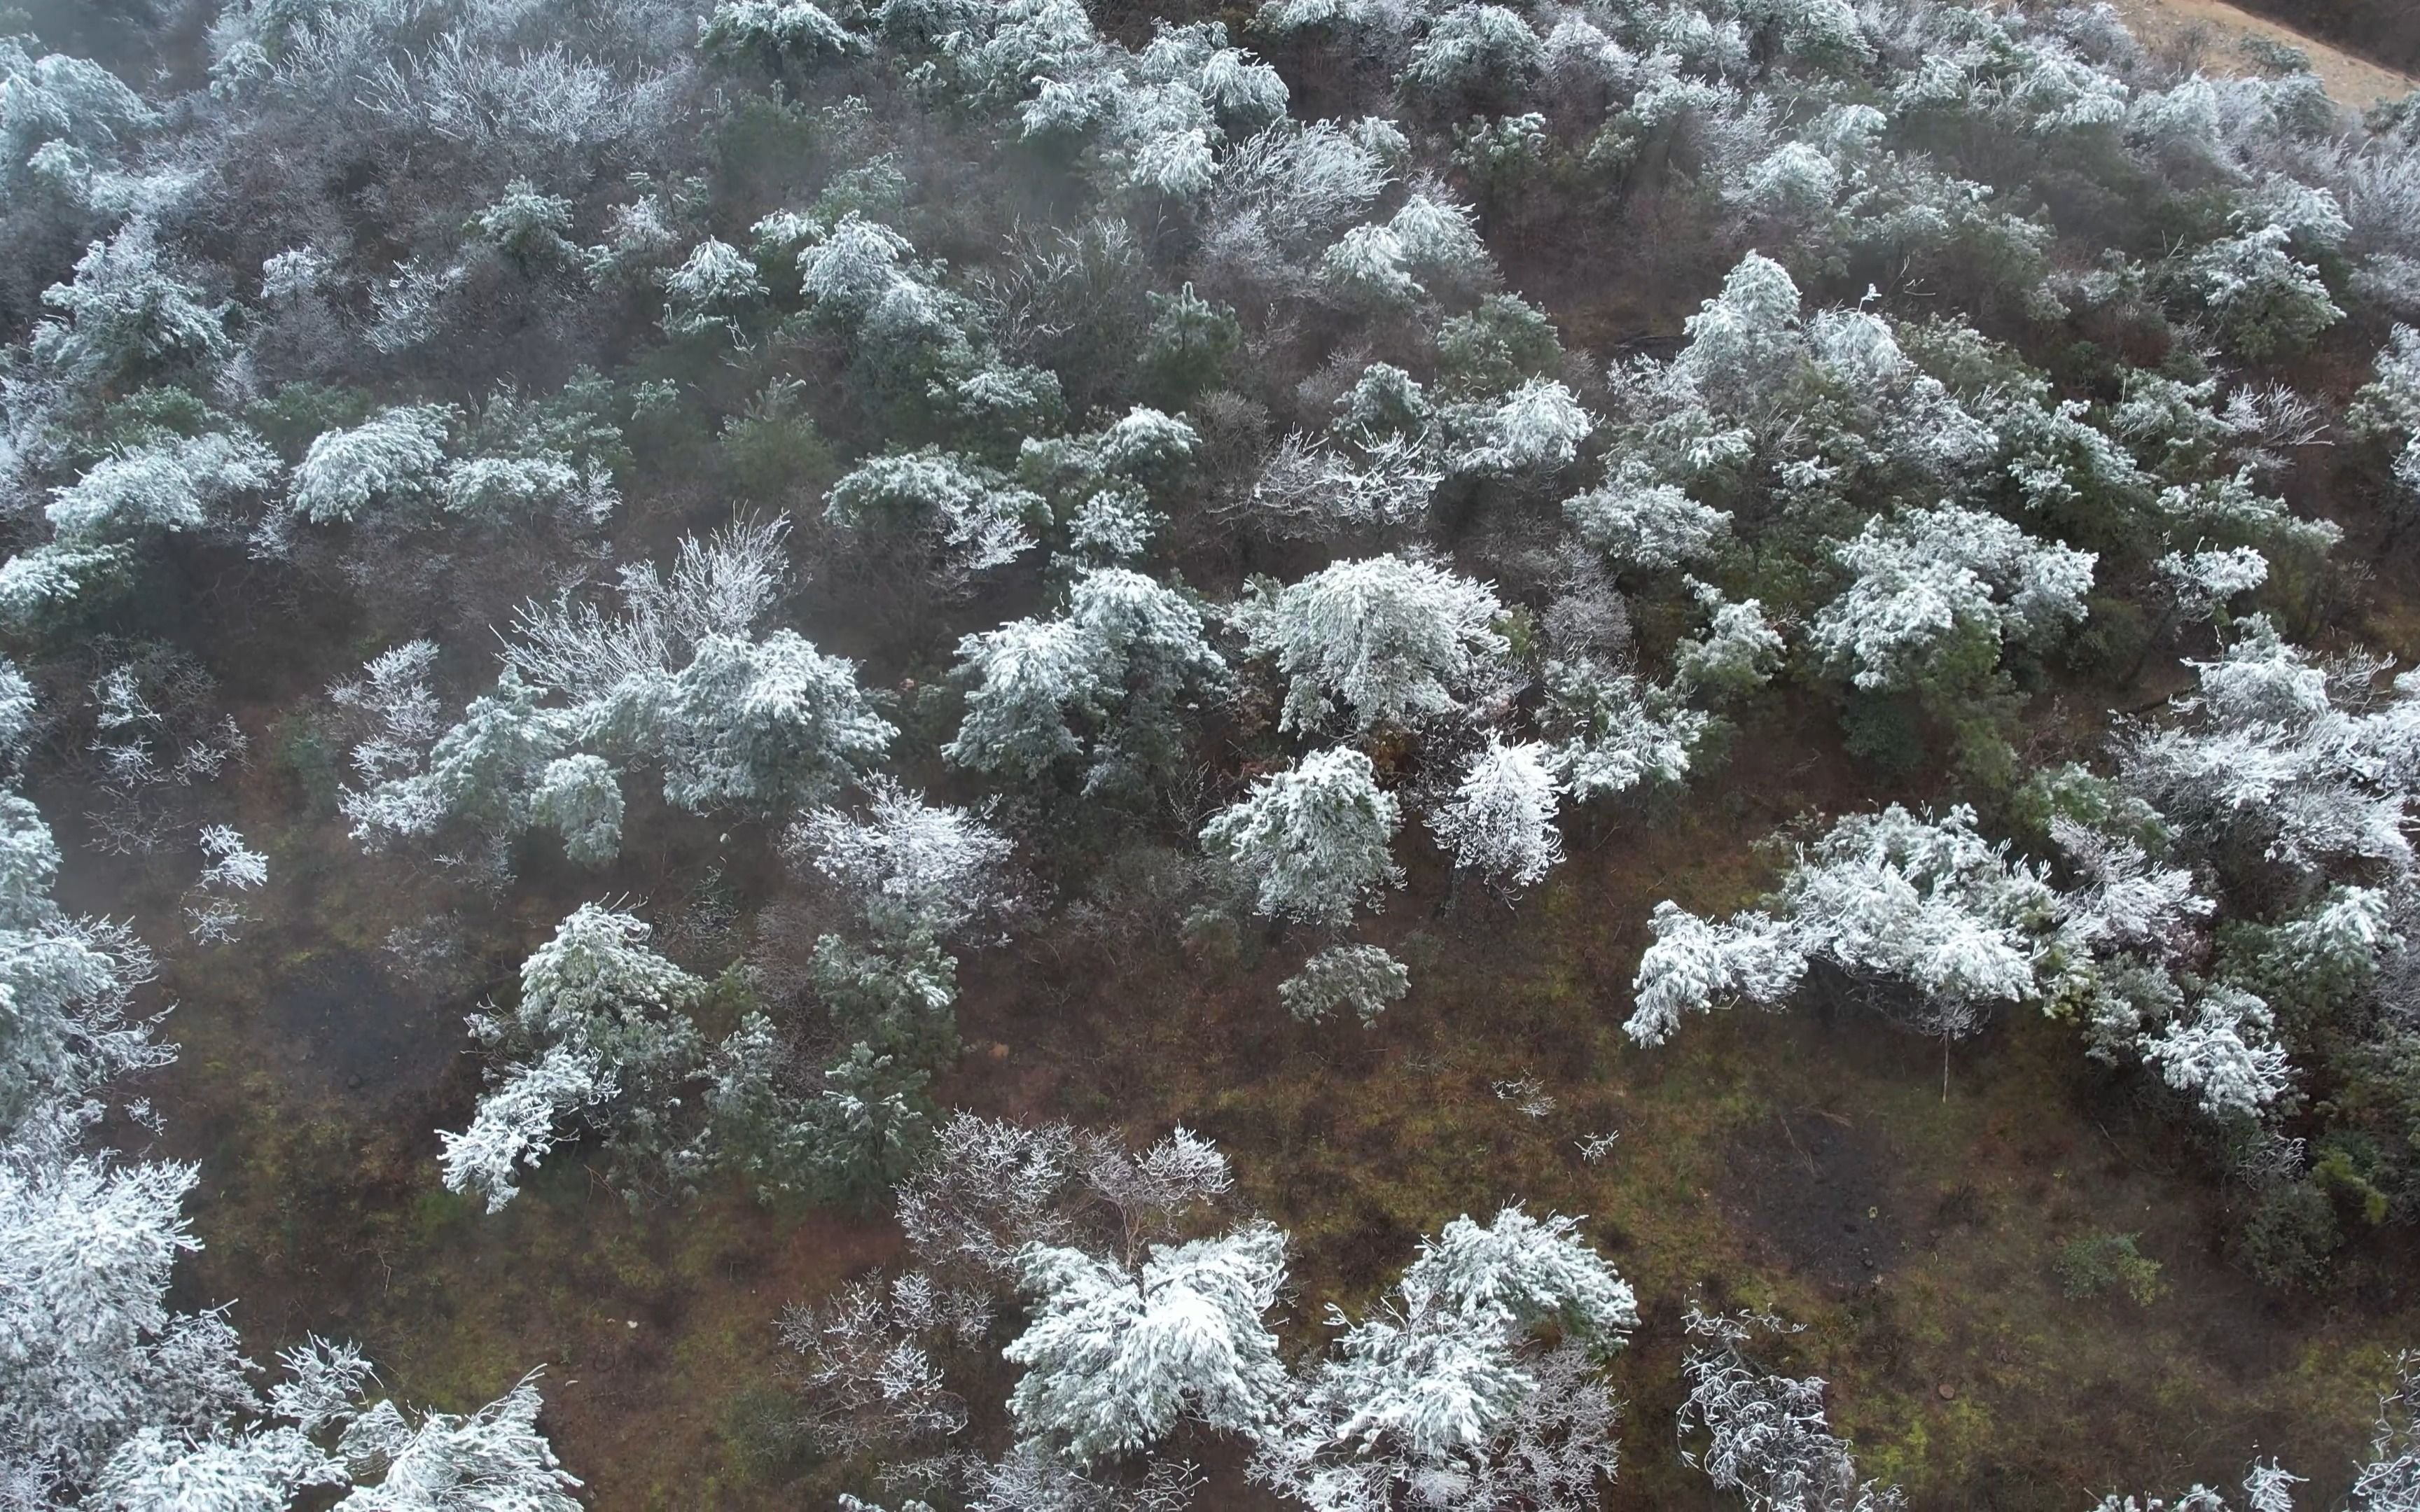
(1882, 731)
(2090, 1265)
(763, 1436)
(2290, 1235)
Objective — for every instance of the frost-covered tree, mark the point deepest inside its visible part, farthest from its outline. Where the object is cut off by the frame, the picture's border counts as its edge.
(867, 1376)
(2203, 581)
(777, 27)
(1322, 490)
(393, 455)
(17, 709)
(1929, 583)
(599, 1016)
(1894, 904)
(2387, 408)
(677, 680)
(1102, 488)
(1363, 977)
(2264, 301)
(1469, 47)
(171, 485)
(912, 866)
(1737, 652)
(1766, 1435)
(1430, 239)
(126, 312)
(2301, 761)
(759, 724)
(1743, 343)
(1500, 821)
(486, 772)
(95, 1354)
(1645, 525)
(1029, 1479)
(1612, 731)
(2266, 1489)
(232, 868)
(1447, 1396)
(495, 1456)
(1312, 842)
(991, 1190)
(1385, 637)
(526, 225)
(1536, 429)
(56, 98)
(580, 797)
(2224, 1054)
(65, 985)
(725, 584)
(960, 516)
(2390, 1481)
(1115, 1358)
(713, 288)
(1102, 683)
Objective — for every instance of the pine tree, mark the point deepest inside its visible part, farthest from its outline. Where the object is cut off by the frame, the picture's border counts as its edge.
(1314, 841)
(600, 1015)
(1114, 1359)
(1501, 822)
(1104, 682)
(1384, 638)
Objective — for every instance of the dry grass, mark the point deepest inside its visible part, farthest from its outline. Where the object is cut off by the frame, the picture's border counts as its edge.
(2213, 29)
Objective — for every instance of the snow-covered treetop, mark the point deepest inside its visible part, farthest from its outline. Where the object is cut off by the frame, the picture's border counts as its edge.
(1101, 679)
(1614, 730)
(1444, 1397)
(594, 970)
(1501, 822)
(1767, 1436)
(913, 866)
(2307, 762)
(722, 585)
(1745, 338)
(1314, 841)
(169, 484)
(1930, 575)
(1927, 905)
(974, 516)
(1385, 637)
(1114, 1359)
(126, 311)
(1643, 524)
(393, 455)
(1533, 1271)
(1363, 977)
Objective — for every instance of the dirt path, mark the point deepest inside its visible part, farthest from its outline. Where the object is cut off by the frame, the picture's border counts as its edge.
(2349, 79)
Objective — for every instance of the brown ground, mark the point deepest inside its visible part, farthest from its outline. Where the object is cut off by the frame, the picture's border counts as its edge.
(2350, 80)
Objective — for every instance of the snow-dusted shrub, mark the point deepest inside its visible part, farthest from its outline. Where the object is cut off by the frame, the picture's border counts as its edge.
(1363, 977)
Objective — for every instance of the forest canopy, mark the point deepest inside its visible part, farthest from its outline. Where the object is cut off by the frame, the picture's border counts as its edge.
(1027, 757)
